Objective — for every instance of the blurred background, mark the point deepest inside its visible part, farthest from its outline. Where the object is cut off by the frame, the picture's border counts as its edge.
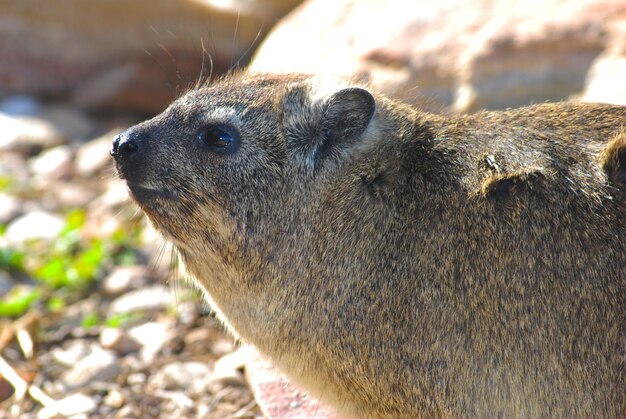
(95, 320)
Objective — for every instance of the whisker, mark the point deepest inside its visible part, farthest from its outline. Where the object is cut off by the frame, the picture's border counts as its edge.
(175, 87)
(245, 53)
(169, 54)
(206, 53)
(159, 257)
(235, 38)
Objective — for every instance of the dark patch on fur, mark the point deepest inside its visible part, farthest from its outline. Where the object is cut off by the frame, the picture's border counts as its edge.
(505, 185)
(374, 184)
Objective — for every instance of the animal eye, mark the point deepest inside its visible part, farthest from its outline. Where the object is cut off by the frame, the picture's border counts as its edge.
(218, 138)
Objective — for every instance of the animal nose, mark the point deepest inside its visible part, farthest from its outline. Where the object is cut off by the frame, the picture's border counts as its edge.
(124, 145)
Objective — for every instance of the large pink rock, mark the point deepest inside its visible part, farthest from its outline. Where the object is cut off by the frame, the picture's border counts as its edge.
(125, 54)
(606, 81)
(277, 397)
(458, 54)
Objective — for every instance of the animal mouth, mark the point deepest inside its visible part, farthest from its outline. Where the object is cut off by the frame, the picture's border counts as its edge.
(146, 193)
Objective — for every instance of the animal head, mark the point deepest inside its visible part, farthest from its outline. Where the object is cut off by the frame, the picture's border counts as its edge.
(224, 154)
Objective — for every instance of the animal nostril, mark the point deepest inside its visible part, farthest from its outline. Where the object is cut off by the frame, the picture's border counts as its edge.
(128, 147)
(124, 145)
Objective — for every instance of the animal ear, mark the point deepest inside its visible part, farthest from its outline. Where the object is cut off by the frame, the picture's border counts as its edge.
(347, 114)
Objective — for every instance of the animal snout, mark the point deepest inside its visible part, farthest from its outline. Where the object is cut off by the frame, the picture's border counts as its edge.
(125, 145)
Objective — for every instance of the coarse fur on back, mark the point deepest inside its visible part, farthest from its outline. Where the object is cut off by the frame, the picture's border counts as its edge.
(396, 263)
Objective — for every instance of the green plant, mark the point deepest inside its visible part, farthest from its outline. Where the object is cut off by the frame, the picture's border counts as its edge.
(18, 301)
(65, 268)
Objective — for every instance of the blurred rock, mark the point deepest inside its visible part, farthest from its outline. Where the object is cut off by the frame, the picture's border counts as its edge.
(115, 195)
(14, 168)
(152, 336)
(176, 403)
(93, 156)
(55, 163)
(227, 371)
(605, 81)
(71, 352)
(10, 208)
(154, 297)
(28, 135)
(6, 389)
(71, 122)
(35, 225)
(455, 53)
(98, 365)
(116, 54)
(125, 278)
(223, 346)
(69, 193)
(6, 283)
(278, 398)
(115, 399)
(191, 377)
(72, 405)
(20, 105)
(119, 341)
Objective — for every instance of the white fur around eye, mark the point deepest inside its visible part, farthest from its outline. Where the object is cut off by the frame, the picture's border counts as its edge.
(223, 114)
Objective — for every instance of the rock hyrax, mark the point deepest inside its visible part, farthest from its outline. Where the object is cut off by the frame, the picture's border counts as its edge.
(396, 263)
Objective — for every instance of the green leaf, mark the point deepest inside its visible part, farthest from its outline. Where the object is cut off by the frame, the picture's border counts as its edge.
(90, 320)
(56, 303)
(5, 182)
(11, 258)
(75, 219)
(18, 301)
(117, 320)
(53, 273)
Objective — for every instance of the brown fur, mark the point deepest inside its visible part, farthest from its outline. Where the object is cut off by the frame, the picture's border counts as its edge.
(613, 158)
(398, 263)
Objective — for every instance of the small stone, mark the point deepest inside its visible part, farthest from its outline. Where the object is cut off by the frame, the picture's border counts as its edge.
(9, 208)
(55, 163)
(136, 378)
(119, 341)
(152, 336)
(74, 404)
(187, 313)
(191, 377)
(155, 297)
(35, 225)
(115, 195)
(70, 194)
(223, 347)
(227, 369)
(14, 168)
(125, 278)
(181, 403)
(115, 399)
(28, 135)
(99, 365)
(71, 352)
(94, 156)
